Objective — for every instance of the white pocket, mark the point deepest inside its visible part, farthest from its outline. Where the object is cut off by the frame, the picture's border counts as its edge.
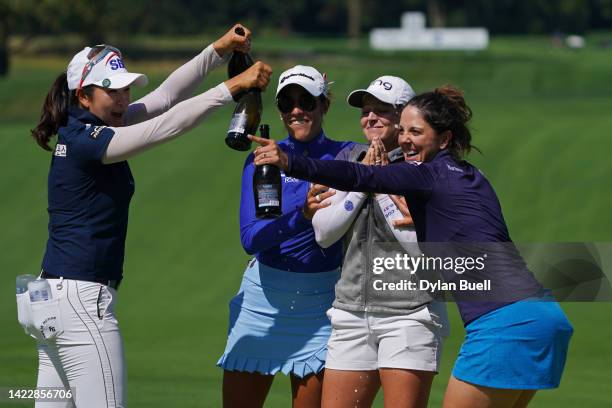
(46, 319)
(23, 312)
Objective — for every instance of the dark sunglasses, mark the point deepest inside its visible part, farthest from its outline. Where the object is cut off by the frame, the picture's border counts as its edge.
(305, 102)
(95, 55)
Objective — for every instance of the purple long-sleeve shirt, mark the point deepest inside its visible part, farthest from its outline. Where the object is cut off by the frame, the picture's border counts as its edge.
(450, 202)
(288, 242)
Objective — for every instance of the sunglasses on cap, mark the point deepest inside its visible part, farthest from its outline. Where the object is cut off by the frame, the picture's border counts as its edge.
(95, 55)
(305, 102)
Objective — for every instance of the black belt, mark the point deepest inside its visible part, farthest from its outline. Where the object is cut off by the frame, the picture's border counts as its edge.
(113, 283)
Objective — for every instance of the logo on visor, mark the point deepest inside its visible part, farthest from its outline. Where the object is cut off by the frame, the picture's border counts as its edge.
(106, 83)
(116, 63)
(386, 85)
(298, 74)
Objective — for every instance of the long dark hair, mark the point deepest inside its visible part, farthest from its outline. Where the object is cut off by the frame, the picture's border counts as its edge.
(55, 110)
(445, 109)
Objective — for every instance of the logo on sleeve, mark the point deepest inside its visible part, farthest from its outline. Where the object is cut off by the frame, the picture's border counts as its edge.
(60, 150)
(348, 205)
(96, 131)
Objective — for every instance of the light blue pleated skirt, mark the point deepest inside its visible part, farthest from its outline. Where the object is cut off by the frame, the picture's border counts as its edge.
(278, 322)
(519, 346)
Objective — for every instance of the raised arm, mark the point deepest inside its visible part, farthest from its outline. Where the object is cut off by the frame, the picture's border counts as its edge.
(129, 141)
(183, 82)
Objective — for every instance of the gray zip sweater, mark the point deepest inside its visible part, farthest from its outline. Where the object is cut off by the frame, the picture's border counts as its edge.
(359, 288)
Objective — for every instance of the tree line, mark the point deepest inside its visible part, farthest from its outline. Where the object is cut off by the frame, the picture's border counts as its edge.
(95, 19)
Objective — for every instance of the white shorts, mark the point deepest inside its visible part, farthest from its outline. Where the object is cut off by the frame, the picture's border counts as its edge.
(363, 341)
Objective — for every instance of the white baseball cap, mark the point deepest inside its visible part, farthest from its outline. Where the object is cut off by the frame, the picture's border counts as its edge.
(103, 66)
(389, 89)
(307, 77)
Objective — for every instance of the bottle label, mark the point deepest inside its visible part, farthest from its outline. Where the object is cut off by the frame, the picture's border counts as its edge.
(238, 123)
(267, 195)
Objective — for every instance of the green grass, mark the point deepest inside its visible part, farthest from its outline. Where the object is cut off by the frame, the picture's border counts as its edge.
(541, 117)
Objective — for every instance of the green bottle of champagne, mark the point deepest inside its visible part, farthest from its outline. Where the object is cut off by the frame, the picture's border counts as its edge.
(247, 114)
(267, 188)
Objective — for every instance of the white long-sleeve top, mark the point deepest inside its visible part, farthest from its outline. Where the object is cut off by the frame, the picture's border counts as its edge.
(166, 113)
(332, 222)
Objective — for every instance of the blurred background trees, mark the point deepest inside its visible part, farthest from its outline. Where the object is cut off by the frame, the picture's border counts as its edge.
(95, 21)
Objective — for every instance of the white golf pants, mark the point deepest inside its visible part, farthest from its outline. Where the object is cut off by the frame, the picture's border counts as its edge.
(84, 351)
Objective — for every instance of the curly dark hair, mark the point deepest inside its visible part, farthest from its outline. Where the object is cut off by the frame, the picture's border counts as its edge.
(445, 109)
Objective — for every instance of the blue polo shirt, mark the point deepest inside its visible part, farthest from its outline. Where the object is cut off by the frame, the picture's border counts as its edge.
(288, 242)
(88, 203)
(450, 202)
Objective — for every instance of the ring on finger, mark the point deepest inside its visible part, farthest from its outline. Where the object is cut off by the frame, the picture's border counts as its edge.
(318, 197)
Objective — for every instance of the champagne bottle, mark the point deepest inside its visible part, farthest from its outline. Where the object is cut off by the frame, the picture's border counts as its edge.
(267, 188)
(240, 61)
(247, 113)
(245, 120)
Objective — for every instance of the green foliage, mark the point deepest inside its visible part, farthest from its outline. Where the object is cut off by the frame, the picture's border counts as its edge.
(98, 19)
(541, 117)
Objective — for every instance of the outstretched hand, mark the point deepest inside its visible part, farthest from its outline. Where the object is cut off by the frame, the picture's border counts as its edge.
(231, 41)
(268, 152)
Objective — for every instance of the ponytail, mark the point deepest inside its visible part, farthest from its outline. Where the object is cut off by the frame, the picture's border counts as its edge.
(54, 112)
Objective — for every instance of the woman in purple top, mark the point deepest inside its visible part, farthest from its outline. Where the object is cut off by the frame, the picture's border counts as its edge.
(516, 335)
(277, 318)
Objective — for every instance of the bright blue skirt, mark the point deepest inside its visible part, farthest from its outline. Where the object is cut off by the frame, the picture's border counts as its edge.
(278, 322)
(519, 346)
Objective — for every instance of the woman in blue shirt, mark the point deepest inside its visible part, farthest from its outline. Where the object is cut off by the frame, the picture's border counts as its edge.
(516, 335)
(277, 319)
(89, 190)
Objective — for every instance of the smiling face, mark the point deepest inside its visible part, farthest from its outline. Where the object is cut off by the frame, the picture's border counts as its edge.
(379, 119)
(418, 140)
(107, 104)
(303, 124)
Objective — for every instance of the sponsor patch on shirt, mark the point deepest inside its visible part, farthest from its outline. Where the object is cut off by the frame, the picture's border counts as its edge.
(287, 179)
(453, 168)
(96, 131)
(60, 150)
(348, 205)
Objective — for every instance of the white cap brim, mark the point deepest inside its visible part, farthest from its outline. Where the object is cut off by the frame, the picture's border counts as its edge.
(355, 98)
(122, 80)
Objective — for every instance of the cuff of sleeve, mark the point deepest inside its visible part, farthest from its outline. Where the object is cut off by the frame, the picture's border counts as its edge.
(216, 58)
(226, 96)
